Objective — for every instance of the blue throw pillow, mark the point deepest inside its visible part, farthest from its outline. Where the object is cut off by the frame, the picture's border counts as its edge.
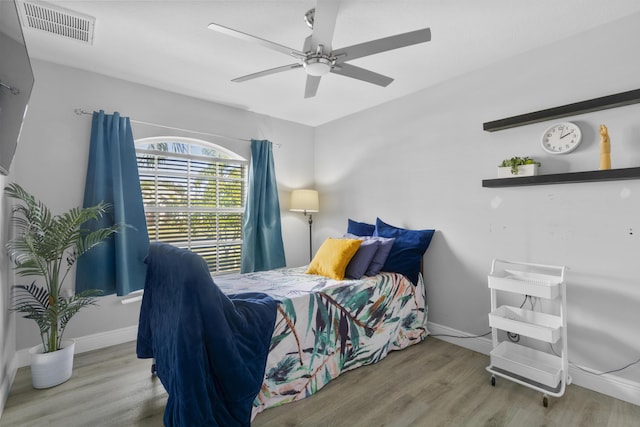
(360, 228)
(361, 260)
(407, 251)
(382, 252)
(381, 255)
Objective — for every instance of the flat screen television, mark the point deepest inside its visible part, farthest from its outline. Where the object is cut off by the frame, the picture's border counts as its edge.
(16, 82)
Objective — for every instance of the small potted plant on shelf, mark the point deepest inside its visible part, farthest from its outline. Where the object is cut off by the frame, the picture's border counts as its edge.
(518, 166)
(48, 246)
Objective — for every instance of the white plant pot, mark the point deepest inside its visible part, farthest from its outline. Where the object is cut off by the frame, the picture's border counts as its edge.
(51, 369)
(524, 170)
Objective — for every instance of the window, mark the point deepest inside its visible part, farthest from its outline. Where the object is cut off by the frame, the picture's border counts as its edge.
(194, 194)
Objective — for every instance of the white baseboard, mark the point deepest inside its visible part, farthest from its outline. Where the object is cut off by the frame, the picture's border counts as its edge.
(607, 384)
(480, 344)
(88, 343)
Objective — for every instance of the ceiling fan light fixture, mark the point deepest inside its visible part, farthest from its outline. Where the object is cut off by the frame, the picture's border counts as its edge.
(317, 66)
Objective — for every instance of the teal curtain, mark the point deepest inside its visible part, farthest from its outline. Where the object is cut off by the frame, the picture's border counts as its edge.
(262, 246)
(116, 265)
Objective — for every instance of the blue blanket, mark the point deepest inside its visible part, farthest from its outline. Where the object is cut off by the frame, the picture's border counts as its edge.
(210, 349)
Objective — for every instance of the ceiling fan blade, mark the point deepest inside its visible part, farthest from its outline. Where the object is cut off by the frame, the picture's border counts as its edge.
(248, 37)
(382, 45)
(311, 86)
(324, 23)
(308, 41)
(266, 72)
(354, 72)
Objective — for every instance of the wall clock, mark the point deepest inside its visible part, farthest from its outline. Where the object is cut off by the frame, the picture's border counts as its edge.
(561, 138)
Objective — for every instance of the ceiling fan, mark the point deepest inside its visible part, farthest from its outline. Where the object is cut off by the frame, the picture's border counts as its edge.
(317, 57)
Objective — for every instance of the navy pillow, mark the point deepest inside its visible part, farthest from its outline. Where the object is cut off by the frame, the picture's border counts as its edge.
(361, 260)
(360, 228)
(407, 251)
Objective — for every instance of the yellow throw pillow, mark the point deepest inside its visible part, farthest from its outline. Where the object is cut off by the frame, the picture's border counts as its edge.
(333, 256)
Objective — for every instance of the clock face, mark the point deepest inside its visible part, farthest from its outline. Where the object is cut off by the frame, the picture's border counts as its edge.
(561, 138)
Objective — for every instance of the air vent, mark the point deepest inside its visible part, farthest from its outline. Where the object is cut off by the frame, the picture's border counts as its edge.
(56, 20)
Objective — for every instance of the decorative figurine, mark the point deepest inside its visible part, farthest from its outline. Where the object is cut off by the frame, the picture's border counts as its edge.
(605, 148)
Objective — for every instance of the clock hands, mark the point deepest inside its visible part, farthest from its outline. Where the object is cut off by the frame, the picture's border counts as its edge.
(562, 136)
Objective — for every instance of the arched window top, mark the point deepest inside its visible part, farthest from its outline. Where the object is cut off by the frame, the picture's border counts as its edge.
(186, 146)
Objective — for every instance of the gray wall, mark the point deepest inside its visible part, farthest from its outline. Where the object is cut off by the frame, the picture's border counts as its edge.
(418, 163)
(52, 156)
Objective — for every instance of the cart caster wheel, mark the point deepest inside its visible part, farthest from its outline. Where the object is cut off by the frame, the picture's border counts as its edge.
(493, 380)
(545, 401)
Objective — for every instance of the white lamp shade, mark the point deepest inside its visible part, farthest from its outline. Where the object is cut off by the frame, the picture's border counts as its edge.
(304, 201)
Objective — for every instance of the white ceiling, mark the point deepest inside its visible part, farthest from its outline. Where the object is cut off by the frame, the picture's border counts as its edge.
(166, 44)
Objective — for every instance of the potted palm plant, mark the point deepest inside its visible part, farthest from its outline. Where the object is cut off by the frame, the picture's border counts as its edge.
(48, 246)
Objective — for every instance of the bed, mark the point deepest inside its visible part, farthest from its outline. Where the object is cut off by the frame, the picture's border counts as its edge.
(228, 347)
(325, 327)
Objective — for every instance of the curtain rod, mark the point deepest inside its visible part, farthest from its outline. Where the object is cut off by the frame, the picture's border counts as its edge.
(80, 111)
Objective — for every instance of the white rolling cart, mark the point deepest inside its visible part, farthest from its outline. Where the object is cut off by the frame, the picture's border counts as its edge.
(530, 365)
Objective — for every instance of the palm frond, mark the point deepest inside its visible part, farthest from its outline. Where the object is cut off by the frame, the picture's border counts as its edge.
(34, 302)
(68, 307)
(32, 295)
(36, 214)
(96, 237)
(28, 267)
(68, 224)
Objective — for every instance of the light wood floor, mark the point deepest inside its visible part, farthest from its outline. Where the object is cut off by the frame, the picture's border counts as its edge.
(430, 384)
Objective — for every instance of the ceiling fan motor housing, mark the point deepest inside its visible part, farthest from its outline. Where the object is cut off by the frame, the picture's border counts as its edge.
(317, 65)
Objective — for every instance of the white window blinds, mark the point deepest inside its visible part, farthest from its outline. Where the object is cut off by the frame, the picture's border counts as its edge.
(194, 196)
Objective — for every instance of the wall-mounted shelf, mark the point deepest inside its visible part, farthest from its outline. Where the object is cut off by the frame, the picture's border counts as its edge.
(596, 104)
(565, 178)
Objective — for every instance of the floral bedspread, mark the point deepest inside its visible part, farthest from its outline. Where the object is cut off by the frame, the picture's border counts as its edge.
(325, 327)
